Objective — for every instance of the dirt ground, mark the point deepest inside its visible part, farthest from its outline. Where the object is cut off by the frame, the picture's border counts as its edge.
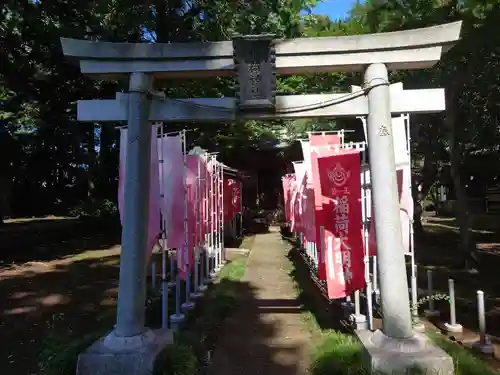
(267, 333)
(63, 294)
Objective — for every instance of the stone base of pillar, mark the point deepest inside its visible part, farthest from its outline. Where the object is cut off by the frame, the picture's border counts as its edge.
(453, 328)
(359, 322)
(124, 355)
(387, 355)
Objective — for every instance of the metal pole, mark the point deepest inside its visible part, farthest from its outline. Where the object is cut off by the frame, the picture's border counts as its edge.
(203, 228)
(188, 304)
(133, 261)
(481, 316)
(178, 317)
(221, 228)
(430, 291)
(213, 215)
(484, 344)
(375, 277)
(452, 326)
(197, 243)
(208, 214)
(172, 283)
(164, 285)
(220, 216)
(393, 281)
(216, 219)
(364, 207)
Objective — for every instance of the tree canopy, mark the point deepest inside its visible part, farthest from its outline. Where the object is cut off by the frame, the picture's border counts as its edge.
(51, 163)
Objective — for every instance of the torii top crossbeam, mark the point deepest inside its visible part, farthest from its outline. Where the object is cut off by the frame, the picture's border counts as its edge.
(408, 49)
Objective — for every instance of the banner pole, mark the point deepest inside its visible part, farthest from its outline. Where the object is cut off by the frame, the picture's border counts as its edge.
(164, 248)
(197, 242)
(202, 239)
(213, 215)
(208, 218)
(366, 202)
(221, 200)
(188, 304)
(164, 283)
(178, 317)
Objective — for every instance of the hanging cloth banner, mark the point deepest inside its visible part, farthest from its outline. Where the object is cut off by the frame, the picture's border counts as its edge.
(207, 219)
(306, 153)
(154, 187)
(310, 228)
(405, 210)
(340, 181)
(227, 186)
(194, 165)
(296, 201)
(296, 197)
(172, 184)
(202, 195)
(287, 181)
(212, 182)
(318, 149)
(308, 195)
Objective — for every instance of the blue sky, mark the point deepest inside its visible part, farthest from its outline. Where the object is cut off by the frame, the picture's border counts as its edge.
(334, 8)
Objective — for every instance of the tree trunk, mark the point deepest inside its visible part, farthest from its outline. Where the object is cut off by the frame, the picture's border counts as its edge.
(467, 247)
(428, 173)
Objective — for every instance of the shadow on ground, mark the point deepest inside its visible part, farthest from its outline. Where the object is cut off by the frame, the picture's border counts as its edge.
(244, 347)
(50, 239)
(262, 334)
(327, 314)
(62, 298)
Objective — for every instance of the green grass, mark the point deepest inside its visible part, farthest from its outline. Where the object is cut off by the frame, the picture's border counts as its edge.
(466, 362)
(59, 354)
(338, 353)
(233, 271)
(342, 354)
(201, 329)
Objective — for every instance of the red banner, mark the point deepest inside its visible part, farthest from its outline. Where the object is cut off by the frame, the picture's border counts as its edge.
(296, 203)
(288, 182)
(340, 180)
(318, 148)
(227, 193)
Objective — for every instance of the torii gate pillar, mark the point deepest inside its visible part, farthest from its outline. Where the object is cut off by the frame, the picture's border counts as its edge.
(396, 348)
(390, 256)
(131, 348)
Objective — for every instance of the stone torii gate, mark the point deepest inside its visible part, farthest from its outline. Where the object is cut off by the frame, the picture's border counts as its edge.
(131, 348)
